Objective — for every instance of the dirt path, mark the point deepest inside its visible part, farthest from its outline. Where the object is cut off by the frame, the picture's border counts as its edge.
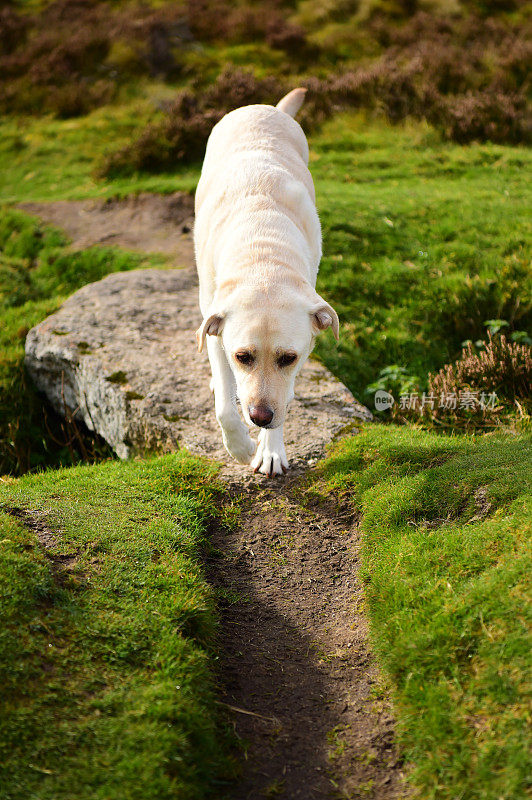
(300, 683)
(150, 223)
(299, 679)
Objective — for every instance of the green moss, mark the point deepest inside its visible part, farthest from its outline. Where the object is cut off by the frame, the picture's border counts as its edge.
(60, 156)
(117, 377)
(446, 559)
(105, 657)
(174, 417)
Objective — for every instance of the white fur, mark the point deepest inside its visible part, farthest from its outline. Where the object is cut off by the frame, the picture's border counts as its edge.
(258, 247)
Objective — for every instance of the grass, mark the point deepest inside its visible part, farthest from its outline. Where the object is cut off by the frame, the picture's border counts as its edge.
(105, 662)
(48, 159)
(38, 271)
(424, 240)
(446, 560)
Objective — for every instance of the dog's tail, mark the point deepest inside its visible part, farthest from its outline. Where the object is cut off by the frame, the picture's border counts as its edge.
(292, 102)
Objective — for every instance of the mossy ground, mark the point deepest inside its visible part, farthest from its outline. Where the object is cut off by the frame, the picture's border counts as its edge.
(107, 634)
(50, 159)
(446, 560)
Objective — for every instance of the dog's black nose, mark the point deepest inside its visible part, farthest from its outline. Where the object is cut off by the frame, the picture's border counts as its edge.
(260, 415)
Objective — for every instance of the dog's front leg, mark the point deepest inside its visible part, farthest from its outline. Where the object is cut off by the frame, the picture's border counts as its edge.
(270, 458)
(236, 438)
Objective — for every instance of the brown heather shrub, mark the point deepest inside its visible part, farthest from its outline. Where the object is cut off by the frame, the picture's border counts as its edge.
(77, 99)
(515, 63)
(503, 366)
(282, 35)
(50, 59)
(237, 87)
(63, 59)
(71, 56)
(387, 86)
(470, 78)
(55, 62)
(427, 80)
(487, 115)
(224, 21)
(496, 383)
(60, 56)
(180, 136)
(467, 74)
(209, 20)
(319, 103)
(157, 37)
(13, 30)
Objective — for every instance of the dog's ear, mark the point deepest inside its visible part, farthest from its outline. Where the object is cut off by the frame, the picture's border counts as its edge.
(324, 316)
(211, 326)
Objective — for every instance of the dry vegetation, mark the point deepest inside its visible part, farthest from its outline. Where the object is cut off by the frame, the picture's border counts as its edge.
(465, 70)
(480, 389)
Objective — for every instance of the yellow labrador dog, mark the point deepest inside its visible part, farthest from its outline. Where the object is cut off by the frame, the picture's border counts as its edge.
(258, 247)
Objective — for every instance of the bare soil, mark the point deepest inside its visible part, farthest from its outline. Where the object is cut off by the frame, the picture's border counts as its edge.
(298, 678)
(151, 223)
(300, 682)
(35, 521)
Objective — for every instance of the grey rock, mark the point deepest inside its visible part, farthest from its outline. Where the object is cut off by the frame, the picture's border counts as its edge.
(121, 356)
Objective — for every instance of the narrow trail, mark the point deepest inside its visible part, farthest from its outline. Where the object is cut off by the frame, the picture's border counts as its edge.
(299, 680)
(298, 677)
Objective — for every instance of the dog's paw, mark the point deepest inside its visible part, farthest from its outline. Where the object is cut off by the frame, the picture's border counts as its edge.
(241, 446)
(270, 458)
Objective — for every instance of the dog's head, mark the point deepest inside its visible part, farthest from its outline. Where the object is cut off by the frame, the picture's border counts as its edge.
(266, 338)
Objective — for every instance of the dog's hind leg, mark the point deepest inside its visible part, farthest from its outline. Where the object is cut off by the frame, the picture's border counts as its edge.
(236, 438)
(270, 458)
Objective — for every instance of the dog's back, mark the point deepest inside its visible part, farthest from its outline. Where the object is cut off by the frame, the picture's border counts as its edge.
(255, 196)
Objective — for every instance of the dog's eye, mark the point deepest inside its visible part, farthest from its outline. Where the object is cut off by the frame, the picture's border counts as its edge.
(245, 358)
(286, 359)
